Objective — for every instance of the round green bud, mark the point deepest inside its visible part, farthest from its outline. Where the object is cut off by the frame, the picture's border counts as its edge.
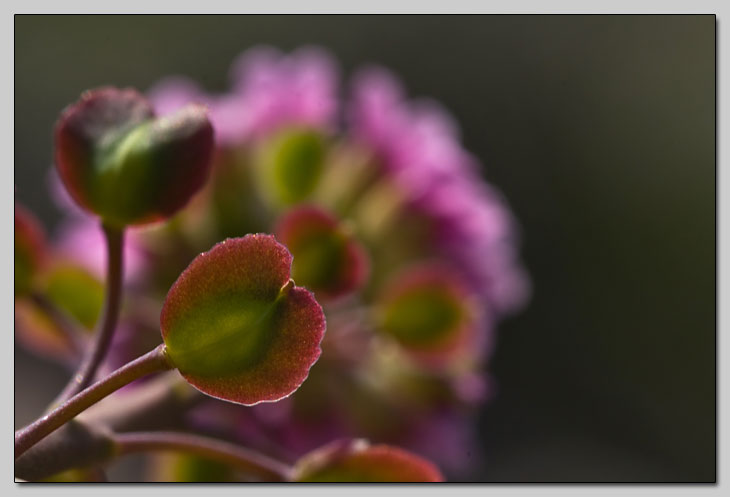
(327, 258)
(290, 164)
(120, 162)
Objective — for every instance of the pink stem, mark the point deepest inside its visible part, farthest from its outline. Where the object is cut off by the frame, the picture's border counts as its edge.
(241, 458)
(151, 362)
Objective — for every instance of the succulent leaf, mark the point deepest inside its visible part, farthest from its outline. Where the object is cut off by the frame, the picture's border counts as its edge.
(235, 325)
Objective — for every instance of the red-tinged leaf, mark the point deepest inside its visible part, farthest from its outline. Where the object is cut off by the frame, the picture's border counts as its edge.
(327, 258)
(30, 249)
(37, 332)
(357, 461)
(235, 325)
(428, 310)
(121, 163)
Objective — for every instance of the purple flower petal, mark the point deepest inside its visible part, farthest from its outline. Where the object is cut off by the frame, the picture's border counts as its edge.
(82, 240)
(418, 146)
(269, 90)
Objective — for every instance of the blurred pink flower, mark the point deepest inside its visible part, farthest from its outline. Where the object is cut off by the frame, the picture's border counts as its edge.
(83, 242)
(447, 438)
(268, 90)
(418, 145)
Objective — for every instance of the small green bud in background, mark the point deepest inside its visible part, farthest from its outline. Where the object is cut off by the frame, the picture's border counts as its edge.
(75, 291)
(327, 258)
(290, 165)
(427, 310)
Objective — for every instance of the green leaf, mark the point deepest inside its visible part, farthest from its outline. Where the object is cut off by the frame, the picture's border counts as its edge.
(235, 325)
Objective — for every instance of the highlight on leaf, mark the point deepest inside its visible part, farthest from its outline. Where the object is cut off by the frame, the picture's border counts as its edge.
(358, 461)
(120, 162)
(428, 311)
(327, 258)
(290, 164)
(30, 248)
(236, 326)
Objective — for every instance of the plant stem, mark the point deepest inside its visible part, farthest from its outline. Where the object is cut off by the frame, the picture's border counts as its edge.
(74, 445)
(241, 458)
(103, 337)
(151, 362)
(160, 402)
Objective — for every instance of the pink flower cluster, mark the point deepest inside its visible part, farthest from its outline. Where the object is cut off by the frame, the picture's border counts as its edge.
(267, 89)
(415, 146)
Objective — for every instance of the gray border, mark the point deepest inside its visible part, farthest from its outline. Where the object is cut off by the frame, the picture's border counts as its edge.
(371, 6)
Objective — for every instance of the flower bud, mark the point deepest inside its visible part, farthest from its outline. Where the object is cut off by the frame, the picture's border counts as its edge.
(289, 165)
(428, 310)
(327, 258)
(120, 162)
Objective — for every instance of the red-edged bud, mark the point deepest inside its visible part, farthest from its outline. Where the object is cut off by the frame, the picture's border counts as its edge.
(429, 311)
(327, 258)
(120, 162)
(358, 461)
(289, 165)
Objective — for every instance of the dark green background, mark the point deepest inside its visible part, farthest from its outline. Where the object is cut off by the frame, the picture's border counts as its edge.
(600, 130)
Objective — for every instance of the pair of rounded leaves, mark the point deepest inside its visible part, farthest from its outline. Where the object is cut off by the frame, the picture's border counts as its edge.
(429, 311)
(327, 258)
(235, 325)
(120, 162)
(358, 461)
(30, 249)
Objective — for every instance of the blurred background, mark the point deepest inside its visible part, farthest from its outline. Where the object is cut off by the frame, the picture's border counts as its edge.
(600, 131)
